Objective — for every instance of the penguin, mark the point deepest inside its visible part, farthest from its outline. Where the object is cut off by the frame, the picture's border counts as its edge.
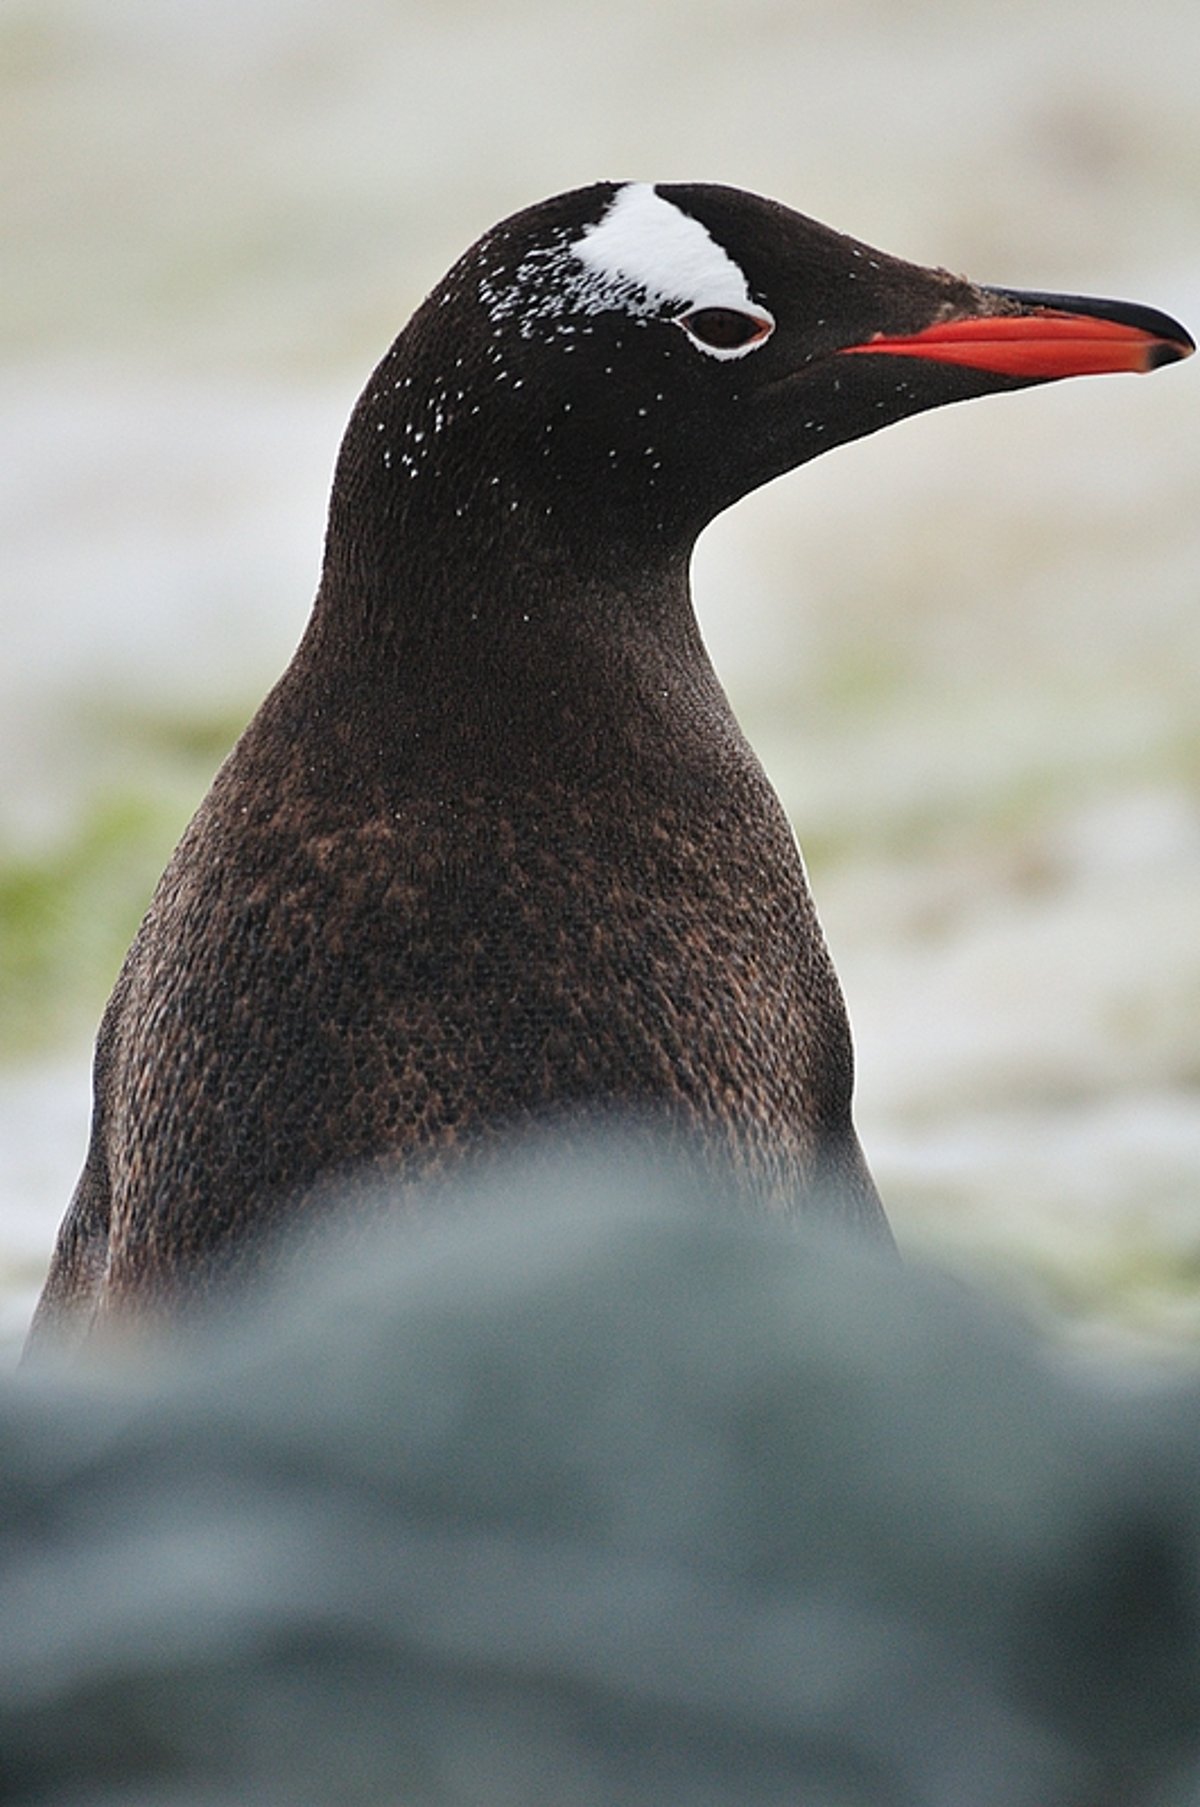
(494, 853)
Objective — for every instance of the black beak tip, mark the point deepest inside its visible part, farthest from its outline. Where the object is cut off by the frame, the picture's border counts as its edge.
(1170, 351)
(1173, 341)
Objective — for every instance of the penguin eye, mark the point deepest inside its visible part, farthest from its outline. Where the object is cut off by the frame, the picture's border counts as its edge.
(726, 331)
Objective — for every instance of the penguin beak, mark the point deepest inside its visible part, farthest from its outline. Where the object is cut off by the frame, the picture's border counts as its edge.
(1036, 338)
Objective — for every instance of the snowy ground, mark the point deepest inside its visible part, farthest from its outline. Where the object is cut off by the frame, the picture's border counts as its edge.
(969, 649)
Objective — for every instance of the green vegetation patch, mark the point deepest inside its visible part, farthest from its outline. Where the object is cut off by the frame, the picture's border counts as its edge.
(67, 915)
(68, 910)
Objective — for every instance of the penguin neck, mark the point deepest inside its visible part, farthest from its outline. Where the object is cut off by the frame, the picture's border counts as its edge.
(473, 565)
(484, 649)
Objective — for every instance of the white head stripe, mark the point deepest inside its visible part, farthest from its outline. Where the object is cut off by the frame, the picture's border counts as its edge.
(645, 242)
(644, 257)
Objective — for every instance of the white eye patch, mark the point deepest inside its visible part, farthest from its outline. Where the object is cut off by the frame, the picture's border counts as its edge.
(646, 243)
(643, 257)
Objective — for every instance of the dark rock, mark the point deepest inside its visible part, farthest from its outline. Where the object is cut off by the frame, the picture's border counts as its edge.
(589, 1493)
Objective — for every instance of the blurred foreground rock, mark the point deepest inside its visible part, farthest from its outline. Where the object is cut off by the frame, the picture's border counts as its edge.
(590, 1491)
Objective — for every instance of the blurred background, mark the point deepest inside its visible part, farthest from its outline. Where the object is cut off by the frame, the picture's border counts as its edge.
(968, 650)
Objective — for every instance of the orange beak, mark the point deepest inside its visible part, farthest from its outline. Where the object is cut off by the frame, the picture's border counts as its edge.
(1051, 336)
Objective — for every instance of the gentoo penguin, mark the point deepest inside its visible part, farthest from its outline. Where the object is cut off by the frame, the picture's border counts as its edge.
(494, 851)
